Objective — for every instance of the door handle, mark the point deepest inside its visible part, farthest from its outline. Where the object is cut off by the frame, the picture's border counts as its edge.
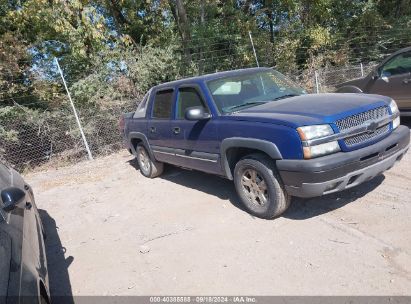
(407, 80)
(153, 129)
(176, 130)
(28, 205)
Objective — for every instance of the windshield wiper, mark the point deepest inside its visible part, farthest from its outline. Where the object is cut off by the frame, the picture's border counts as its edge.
(246, 104)
(285, 96)
(252, 103)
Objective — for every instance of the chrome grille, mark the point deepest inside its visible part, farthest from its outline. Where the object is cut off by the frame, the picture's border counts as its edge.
(358, 139)
(361, 118)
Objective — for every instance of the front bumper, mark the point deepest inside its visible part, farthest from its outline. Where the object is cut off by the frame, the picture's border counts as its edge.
(343, 170)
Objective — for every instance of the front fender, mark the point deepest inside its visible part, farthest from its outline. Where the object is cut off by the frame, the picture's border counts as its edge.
(239, 142)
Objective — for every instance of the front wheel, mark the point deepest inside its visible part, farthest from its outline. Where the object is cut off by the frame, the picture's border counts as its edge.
(148, 167)
(259, 186)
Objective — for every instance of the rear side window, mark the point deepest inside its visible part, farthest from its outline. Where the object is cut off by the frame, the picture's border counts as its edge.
(141, 109)
(163, 103)
(188, 97)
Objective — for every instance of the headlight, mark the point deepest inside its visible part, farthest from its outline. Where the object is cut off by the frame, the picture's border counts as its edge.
(313, 132)
(308, 133)
(320, 150)
(394, 110)
(394, 107)
(396, 122)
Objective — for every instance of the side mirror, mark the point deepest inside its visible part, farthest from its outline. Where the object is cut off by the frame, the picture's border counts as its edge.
(375, 75)
(196, 113)
(11, 197)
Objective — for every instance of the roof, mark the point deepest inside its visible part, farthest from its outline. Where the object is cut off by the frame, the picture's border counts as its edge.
(212, 76)
(406, 49)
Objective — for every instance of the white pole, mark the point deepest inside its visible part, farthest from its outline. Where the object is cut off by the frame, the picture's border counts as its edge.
(317, 85)
(252, 44)
(90, 157)
(362, 70)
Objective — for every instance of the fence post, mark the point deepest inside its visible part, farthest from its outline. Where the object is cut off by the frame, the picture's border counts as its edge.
(90, 157)
(317, 84)
(252, 44)
(362, 69)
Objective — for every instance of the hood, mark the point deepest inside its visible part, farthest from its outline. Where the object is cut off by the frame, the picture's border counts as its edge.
(311, 109)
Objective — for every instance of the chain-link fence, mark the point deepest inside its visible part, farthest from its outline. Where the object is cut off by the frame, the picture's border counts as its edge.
(45, 132)
(329, 77)
(42, 130)
(37, 138)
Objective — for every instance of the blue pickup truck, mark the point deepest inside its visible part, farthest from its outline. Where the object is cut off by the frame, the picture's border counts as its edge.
(256, 127)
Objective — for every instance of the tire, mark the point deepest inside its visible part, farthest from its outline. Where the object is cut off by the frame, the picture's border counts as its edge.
(259, 186)
(148, 167)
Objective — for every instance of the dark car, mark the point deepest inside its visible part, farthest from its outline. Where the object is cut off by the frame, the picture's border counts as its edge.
(256, 127)
(390, 78)
(23, 264)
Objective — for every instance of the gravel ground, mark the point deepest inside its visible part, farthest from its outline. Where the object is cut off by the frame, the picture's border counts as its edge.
(113, 232)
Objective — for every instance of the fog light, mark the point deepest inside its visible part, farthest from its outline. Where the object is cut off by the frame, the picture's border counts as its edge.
(332, 186)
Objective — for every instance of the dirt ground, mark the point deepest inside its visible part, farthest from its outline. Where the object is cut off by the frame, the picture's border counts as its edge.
(113, 232)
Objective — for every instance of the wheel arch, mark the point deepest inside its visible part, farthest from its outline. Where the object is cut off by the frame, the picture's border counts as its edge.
(233, 149)
(137, 137)
(349, 89)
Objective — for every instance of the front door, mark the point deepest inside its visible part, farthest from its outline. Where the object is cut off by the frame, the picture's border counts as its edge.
(395, 80)
(195, 142)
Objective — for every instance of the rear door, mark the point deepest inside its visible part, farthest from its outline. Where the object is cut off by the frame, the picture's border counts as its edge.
(195, 142)
(395, 80)
(159, 125)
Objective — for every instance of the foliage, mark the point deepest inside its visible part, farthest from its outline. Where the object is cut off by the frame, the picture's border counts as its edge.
(113, 51)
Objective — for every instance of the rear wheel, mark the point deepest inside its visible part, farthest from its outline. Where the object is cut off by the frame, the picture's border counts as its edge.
(148, 167)
(259, 186)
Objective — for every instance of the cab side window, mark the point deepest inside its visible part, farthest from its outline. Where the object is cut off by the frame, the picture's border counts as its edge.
(187, 98)
(163, 102)
(400, 64)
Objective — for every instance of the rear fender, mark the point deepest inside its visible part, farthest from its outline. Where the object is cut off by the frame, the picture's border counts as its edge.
(143, 139)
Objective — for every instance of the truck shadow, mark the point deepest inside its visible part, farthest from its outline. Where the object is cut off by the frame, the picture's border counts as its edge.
(57, 263)
(207, 183)
(300, 209)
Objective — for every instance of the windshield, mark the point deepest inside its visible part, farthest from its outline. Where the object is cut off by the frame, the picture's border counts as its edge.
(238, 92)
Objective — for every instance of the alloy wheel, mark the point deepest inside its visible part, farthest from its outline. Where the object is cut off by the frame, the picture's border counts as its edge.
(255, 187)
